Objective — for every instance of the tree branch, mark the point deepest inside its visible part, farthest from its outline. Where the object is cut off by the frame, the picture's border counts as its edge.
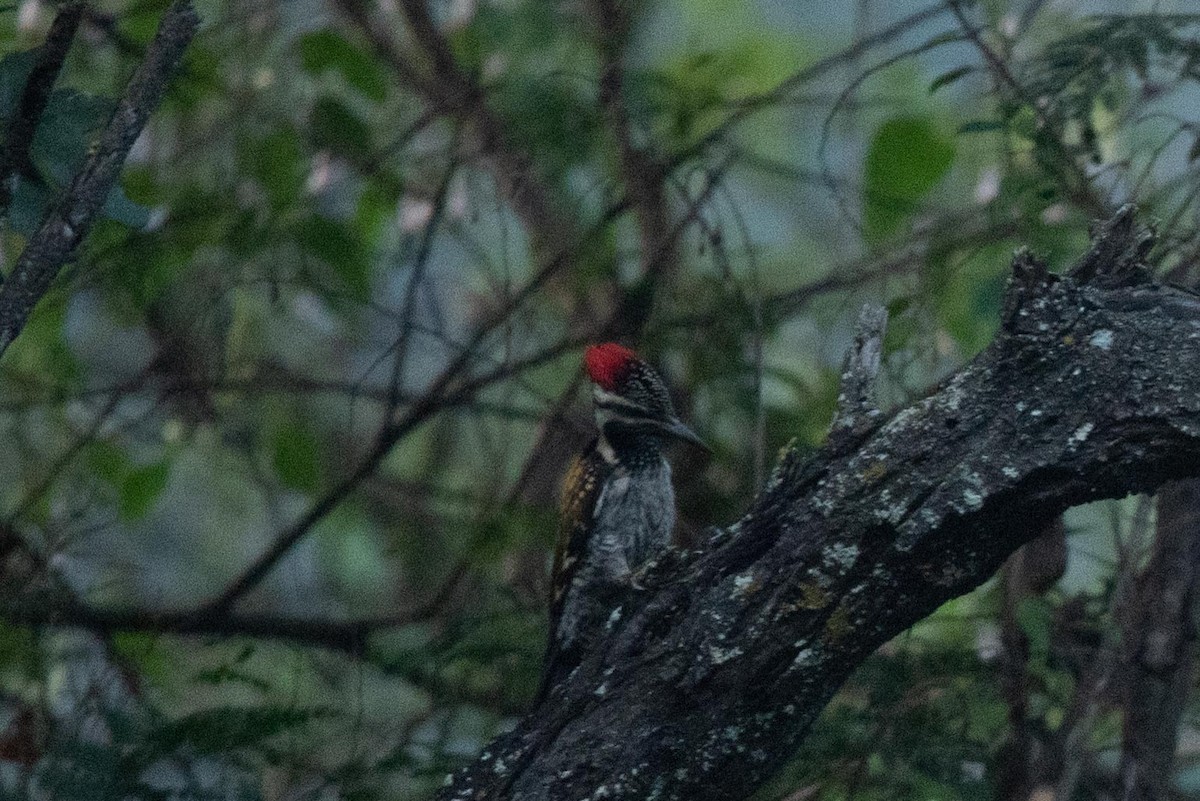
(35, 96)
(58, 611)
(712, 672)
(68, 222)
(1159, 635)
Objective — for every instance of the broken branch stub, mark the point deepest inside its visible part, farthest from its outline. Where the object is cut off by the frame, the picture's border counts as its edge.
(704, 683)
(856, 409)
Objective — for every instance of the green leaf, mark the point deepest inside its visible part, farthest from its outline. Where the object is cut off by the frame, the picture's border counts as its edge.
(376, 211)
(107, 461)
(145, 651)
(907, 157)
(227, 729)
(296, 456)
(278, 164)
(1035, 616)
(326, 51)
(335, 127)
(341, 250)
(947, 78)
(41, 349)
(118, 207)
(141, 487)
(558, 123)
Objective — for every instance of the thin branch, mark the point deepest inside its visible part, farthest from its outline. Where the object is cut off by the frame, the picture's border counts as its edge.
(348, 636)
(409, 304)
(15, 157)
(1092, 688)
(68, 455)
(49, 601)
(68, 222)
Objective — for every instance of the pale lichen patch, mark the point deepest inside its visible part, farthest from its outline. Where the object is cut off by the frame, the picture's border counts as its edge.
(613, 618)
(840, 554)
(1102, 339)
(745, 584)
(1080, 435)
(973, 499)
(805, 657)
(720, 656)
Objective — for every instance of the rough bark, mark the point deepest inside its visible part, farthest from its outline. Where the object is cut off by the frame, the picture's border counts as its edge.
(712, 671)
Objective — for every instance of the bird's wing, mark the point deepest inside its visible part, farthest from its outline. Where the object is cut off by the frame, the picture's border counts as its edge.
(581, 489)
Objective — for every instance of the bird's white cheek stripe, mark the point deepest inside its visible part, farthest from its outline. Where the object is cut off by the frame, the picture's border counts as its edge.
(612, 399)
(606, 450)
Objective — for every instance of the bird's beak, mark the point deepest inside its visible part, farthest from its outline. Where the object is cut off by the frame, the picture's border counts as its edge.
(677, 429)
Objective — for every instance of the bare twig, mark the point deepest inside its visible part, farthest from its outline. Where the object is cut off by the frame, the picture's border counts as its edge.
(348, 636)
(409, 305)
(65, 225)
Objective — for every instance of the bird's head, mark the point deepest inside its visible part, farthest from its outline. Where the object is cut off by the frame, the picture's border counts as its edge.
(630, 395)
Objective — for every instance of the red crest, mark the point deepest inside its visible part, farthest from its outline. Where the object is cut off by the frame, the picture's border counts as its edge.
(608, 364)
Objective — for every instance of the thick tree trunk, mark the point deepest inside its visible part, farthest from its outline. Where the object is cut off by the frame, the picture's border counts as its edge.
(710, 675)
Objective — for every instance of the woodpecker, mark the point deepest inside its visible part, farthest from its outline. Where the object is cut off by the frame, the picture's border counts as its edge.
(618, 507)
